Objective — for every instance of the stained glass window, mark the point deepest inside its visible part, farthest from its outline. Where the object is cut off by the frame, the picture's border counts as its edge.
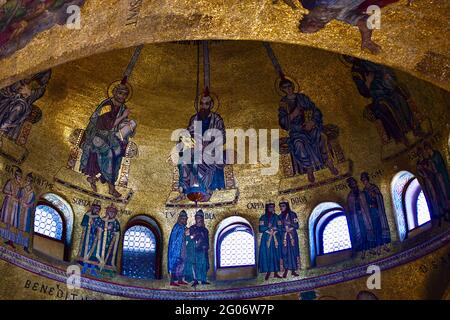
(139, 253)
(335, 235)
(237, 247)
(48, 222)
(423, 214)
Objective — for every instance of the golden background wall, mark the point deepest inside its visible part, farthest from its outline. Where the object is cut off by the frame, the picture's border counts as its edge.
(243, 78)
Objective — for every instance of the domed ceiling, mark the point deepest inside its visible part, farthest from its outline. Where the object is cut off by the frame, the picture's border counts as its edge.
(97, 174)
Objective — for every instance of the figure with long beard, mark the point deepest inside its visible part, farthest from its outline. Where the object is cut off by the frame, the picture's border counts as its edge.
(204, 177)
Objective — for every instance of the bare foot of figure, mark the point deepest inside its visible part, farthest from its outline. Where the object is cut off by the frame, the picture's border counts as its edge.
(92, 181)
(294, 274)
(366, 38)
(371, 46)
(113, 191)
(267, 276)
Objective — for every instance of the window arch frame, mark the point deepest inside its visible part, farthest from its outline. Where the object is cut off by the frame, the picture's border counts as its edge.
(226, 230)
(408, 206)
(319, 218)
(67, 216)
(147, 222)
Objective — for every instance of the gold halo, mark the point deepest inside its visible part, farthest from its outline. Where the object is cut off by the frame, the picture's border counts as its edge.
(111, 87)
(277, 85)
(215, 99)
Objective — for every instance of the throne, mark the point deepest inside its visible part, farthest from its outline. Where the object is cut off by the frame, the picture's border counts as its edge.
(71, 177)
(294, 178)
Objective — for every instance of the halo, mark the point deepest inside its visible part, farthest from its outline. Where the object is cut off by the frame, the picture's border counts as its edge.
(111, 87)
(277, 85)
(215, 99)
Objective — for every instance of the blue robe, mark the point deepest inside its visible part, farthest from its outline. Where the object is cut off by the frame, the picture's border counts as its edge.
(378, 217)
(197, 261)
(102, 148)
(176, 254)
(359, 222)
(389, 101)
(290, 251)
(270, 246)
(443, 180)
(210, 177)
(308, 148)
(89, 224)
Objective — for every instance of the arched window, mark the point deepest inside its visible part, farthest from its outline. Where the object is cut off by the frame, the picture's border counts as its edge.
(410, 204)
(48, 222)
(141, 255)
(328, 230)
(53, 223)
(235, 248)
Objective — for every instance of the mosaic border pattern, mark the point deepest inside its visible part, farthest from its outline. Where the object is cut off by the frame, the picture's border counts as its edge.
(285, 287)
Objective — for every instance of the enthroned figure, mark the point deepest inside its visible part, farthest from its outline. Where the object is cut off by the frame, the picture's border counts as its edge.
(202, 177)
(391, 103)
(299, 116)
(106, 138)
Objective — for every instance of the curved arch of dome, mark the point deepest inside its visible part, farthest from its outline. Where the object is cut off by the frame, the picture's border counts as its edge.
(237, 20)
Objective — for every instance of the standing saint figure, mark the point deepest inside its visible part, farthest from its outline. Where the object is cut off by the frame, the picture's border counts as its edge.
(27, 200)
(108, 243)
(303, 120)
(270, 247)
(106, 138)
(11, 206)
(197, 246)
(391, 103)
(290, 251)
(205, 177)
(16, 102)
(377, 210)
(176, 256)
(442, 177)
(433, 177)
(358, 217)
(90, 223)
